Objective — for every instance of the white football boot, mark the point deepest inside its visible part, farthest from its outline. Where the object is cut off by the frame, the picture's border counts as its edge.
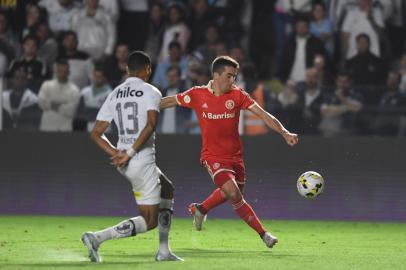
(92, 244)
(198, 217)
(269, 239)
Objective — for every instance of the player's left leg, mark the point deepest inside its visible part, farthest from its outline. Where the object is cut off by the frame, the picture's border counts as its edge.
(127, 228)
(165, 220)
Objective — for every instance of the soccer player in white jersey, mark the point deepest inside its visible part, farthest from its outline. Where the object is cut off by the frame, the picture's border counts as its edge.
(134, 107)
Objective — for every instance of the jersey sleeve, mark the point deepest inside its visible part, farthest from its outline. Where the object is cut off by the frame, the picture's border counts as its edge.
(152, 103)
(187, 99)
(246, 100)
(105, 113)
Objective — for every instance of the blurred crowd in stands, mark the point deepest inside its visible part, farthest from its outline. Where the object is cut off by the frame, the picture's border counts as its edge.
(328, 67)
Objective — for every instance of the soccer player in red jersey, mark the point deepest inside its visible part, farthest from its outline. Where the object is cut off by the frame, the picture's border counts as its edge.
(217, 106)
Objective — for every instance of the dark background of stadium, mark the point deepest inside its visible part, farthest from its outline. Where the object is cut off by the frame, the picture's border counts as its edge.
(66, 174)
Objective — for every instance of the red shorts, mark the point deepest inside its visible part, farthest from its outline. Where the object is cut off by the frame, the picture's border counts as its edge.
(222, 171)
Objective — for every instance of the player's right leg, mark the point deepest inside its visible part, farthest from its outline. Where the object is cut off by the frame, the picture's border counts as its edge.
(242, 208)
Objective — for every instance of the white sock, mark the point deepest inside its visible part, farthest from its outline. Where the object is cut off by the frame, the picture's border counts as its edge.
(164, 224)
(126, 228)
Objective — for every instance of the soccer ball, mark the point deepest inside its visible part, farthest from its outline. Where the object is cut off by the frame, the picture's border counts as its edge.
(310, 184)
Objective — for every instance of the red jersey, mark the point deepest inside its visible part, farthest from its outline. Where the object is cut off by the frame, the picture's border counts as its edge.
(218, 118)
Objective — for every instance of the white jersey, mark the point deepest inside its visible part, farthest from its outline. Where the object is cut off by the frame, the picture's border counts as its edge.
(128, 105)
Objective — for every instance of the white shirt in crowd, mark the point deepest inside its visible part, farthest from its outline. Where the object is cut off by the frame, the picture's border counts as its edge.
(59, 17)
(298, 73)
(169, 117)
(356, 22)
(68, 95)
(94, 100)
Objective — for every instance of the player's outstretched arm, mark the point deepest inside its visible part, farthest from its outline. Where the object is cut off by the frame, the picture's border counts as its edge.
(168, 102)
(272, 122)
(100, 139)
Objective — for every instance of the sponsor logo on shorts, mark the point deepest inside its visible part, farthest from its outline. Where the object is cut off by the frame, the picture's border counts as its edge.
(230, 104)
(216, 166)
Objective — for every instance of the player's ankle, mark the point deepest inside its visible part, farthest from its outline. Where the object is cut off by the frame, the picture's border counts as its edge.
(201, 208)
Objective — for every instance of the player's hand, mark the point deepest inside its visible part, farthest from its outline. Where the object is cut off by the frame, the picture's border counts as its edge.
(291, 138)
(120, 159)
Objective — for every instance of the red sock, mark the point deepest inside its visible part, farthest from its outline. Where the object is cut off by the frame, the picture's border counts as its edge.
(215, 199)
(246, 213)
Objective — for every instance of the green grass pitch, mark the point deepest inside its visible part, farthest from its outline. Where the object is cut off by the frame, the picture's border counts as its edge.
(43, 242)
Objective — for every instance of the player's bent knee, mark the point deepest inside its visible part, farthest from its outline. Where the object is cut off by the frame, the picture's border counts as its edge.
(167, 187)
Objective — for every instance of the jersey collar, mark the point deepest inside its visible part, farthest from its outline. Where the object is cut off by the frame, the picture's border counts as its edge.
(129, 79)
(209, 87)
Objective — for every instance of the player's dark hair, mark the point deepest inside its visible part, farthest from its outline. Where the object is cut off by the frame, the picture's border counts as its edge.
(221, 62)
(137, 61)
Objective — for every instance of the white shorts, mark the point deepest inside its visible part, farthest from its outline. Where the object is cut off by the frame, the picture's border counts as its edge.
(144, 177)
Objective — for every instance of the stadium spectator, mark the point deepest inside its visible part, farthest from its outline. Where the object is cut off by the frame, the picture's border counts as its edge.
(283, 21)
(9, 43)
(208, 48)
(340, 110)
(392, 107)
(201, 16)
(365, 18)
(310, 101)
(221, 147)
(173, 120)
(81, 66)
(133, 15)
(112, 7)
(287, 107)
(156, 27)
(60, 13)
(299, 53)
(176, 29)
(116, 65)
(322, 27)
(48, 47)
(368, 71)
(33, 16)
(93, 97)
(402, 71)
(395, 26)
(176, 58)
(238, 53)
(262, 47)
(326, 78)
(95, 29)
(35, 68)
(20, 104)
(3, 65)
(253, 124)
(58, 99)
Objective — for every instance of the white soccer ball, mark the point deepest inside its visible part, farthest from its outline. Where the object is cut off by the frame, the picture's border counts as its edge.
(310, 184)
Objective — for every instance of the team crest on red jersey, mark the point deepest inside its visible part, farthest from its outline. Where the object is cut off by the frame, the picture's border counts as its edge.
(186, 99)
(230, 104)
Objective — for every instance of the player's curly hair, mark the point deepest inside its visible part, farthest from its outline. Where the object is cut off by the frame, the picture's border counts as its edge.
(137, 60)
